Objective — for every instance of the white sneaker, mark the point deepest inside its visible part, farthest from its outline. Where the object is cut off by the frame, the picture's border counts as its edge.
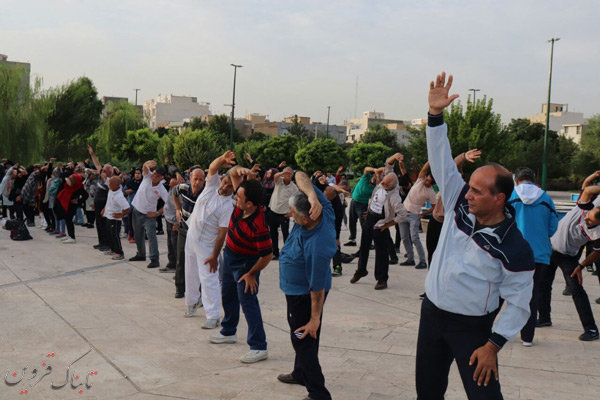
(193, 309)
(68, 240)
(527, 344)
(220, 339)
(210, 324)
(254, 356)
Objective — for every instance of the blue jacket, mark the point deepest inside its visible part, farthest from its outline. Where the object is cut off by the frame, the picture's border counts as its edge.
(536, 219)
(471, 269)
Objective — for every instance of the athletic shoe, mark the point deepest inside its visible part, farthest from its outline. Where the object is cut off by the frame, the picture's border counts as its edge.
(346, 258)
(541, 323)
(408, 262)
(254, 356)
(210, 324)
(421, 265)
(589, 335)
(118, 257)
(222, 339)
(109, 253)
(69, 240)
(394, 261)
(193, 309)
(131, 240)
(350, 243)
(567, 291)
(60, 235)
(337, 270)
(527, 344)
(153, 264)
(64, 238)
(137, 258)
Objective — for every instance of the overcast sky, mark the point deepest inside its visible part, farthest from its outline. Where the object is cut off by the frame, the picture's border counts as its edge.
(299, 56)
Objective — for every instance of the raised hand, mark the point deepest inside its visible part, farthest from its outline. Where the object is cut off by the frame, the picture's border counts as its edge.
(229, 158)
(438, 94)
(472, 155)
(90, 150)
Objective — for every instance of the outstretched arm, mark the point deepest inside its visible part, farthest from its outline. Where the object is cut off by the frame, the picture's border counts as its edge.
(305, 186)
(469, 156)
(94, 158)
(148, 165)
(424, 170)
(588, 181)
(224, 161)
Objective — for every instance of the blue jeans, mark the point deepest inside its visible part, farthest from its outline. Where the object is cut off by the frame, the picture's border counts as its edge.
(409, 228)
(232, 294)
(144, 224)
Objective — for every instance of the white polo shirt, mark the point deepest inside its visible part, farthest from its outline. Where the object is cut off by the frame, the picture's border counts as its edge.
(115, 203)
(146, 198)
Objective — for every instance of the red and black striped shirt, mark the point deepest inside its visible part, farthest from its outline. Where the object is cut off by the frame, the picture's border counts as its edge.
(249, 236)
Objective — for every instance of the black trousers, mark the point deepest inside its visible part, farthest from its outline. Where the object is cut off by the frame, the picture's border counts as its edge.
(180, 266)
(275, 221)
(582, 303)
(48, 215)
(90, 216)
(528, 330)
(382, 242)
(445, 337)
(18, 207)
(114, 229)
(356, 211)
(307, 370)
(69, 219)
(29, 213)
(434, 229)
(171, 245)
(101, 228)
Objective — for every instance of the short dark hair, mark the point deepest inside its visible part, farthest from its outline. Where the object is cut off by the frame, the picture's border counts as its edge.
(504, 182)
(253, 191)
(161, 171)
(524, 174)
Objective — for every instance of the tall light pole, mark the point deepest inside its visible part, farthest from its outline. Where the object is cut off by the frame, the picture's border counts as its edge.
(545, 155)
(328, 108)
(136, 92)
(235, 67)
(474, 92)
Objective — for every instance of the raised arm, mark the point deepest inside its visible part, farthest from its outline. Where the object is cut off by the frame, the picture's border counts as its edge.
(94, 158)
(588, 181)
(224, 161)
(148, 165)
(589, 194)
(469, 156)
(424, 170)
(305, 186)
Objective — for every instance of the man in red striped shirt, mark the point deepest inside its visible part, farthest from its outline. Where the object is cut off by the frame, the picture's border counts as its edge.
(247, 252)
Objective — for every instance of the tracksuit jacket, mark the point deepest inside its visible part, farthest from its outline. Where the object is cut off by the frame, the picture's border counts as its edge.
(471, 270)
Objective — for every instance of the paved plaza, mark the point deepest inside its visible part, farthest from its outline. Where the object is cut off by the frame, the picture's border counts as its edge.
(67, 299)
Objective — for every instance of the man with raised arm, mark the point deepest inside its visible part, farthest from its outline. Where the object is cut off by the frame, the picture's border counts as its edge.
(280, 207)
(481, 256)
(247, 252)
(207, 229)
(305, 278)
(144, 212)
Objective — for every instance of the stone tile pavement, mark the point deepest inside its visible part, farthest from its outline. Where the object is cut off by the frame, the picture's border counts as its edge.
(66, 299)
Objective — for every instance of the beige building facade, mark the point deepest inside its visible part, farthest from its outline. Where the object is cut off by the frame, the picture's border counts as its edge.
(168, 109)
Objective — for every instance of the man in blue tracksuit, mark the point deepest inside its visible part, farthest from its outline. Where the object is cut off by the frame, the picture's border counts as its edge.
(481, 256)
(537, 220)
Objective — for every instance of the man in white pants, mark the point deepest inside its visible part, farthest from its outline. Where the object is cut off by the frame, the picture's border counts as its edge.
(207, 229)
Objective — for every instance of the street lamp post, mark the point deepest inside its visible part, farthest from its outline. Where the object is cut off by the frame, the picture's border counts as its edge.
(545, 154)
(328, 108)
(235, 67)
(136, 92)
(474, 92)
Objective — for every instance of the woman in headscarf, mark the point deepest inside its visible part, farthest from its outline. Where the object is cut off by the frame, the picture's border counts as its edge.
(69, 198)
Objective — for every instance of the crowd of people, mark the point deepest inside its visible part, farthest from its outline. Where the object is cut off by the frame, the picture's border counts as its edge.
(496, 240)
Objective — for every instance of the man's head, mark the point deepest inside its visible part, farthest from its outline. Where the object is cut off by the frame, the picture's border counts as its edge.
(390, 181)
(114, 183)
(157, 175)
(287, 175)
(490, 188)
(592, 218)
(300, 208)
(137, 175)
(524, 174)
(330, 193)
(108, 170)
(226, 187)
(248, 195)
(323, 180)
(197, 179)
(428, 181)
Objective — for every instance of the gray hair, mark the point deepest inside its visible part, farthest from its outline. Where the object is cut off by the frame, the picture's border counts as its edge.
(394, 179)
(301, 204)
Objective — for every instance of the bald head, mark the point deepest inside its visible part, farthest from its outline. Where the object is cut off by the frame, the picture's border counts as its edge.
(114, 183)
(107, 170)
(490, 187)
(390, 181)
(330, 193)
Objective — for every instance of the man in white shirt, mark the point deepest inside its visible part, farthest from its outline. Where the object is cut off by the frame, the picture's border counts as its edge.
(419, 194)
(279, 207)
(207, 230)
(114, 211)
(144, 212)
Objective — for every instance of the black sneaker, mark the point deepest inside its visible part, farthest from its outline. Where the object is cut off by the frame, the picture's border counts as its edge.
(166, 269)
(567, 291)
(422, 296)
(103, 248)
(160, 232)
(346, 258)
(421, 265)
(275, 257)
(337, 270)
(137, 258)
(408, 262)
(179, 295)
(589, 335)
(542, 323)
(350, 243)
(393, 261)
(153, 264)
(97, 246)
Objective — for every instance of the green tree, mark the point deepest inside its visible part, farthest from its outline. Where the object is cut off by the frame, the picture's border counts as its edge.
(299, 130)
(363, 155)
(257, 136)
(590, 139)
(197, 124)
(197, 147)
(23, 112)
(253, 147)
(278, 149)
(165, 147)
(320, 154)
(379, 133)
(74, 118)
(139, 146)
(121, 118)
(220, 125)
